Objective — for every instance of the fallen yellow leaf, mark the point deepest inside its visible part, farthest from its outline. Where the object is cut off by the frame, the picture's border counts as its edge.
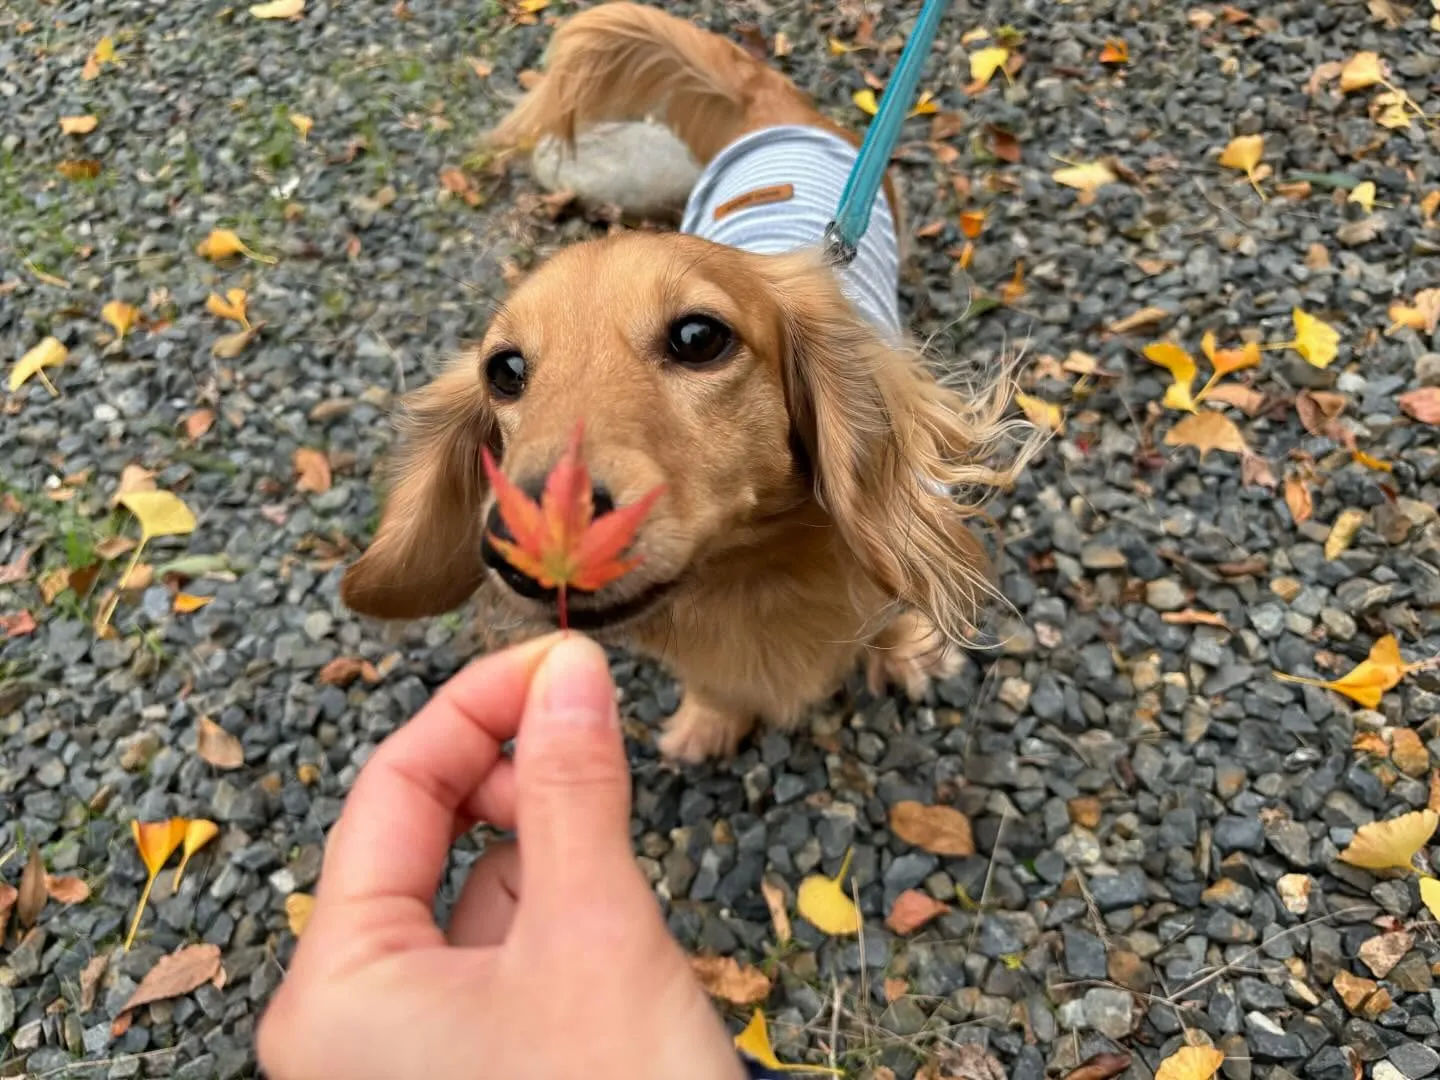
(49, 353)
(87, 169)
(1181, 366)
(230, 346)
(160, 513)
(222, 243)
(1229, 361)
(198, 833)
(184, 603)
(1367, 682)
(1423, 315)
(1363, 195)
(1041, 413)
(1207, 431)
(230, 306)
(1087, 178)
(1391, 845)
(78, 125)
(103, 53)
(302, 124)
(156, 842)
(865, 101)
(1316, 341)
(1389, 110)
(1342, 533)
(754, 1043)
(1361, 71)
(1244, 153)
(823, 902)
(1430, 895)
(1191, 1063)
(121, 316)
(278, 9)
(985, 63)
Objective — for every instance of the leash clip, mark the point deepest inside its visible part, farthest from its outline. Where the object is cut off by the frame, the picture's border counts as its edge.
(837, 250)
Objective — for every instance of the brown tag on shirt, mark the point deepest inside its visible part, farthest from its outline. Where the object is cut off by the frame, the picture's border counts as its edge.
(759, 197)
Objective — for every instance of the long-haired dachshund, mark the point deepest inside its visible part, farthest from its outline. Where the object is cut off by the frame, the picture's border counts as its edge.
(817, 475)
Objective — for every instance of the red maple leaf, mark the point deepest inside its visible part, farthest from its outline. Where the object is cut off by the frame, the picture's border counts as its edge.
(559, 542)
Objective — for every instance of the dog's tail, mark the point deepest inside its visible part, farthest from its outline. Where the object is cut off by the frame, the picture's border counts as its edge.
(627, 62)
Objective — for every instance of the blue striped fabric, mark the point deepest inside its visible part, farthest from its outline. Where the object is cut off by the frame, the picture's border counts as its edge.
(817, 164)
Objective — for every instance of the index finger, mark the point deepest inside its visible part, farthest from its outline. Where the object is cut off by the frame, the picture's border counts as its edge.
(397, 826)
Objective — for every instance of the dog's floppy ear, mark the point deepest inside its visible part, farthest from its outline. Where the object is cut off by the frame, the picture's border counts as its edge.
(425, 558)
(899, 460)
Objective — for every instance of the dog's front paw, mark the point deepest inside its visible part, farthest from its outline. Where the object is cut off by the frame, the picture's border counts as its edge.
(699, 731)
(910, 653)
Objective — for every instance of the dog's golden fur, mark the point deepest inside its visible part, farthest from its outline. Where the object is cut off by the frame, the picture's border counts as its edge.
(804, 523)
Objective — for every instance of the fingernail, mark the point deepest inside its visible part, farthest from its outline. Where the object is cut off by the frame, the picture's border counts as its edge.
(573, 683)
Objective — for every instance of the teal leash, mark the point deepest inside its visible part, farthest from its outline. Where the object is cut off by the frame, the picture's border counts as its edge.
(852, 216)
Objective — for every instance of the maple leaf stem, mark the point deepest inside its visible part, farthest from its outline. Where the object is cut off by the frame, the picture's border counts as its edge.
(140, 910)
(1209, 385)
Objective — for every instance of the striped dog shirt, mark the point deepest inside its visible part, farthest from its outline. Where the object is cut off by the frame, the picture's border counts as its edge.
(775, 190)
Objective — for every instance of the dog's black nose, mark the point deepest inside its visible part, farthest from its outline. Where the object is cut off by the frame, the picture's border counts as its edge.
(517, 579)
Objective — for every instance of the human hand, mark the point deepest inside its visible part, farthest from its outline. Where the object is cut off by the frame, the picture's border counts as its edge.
(556, 963)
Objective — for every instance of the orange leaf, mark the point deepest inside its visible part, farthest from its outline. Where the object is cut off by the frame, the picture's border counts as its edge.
(1297, 498)
(1422, 404)
(67, 890)
(971, 222)
(185, 603)
(1116, 51)
(1207, 431)
(723, 977)
(1367, 682)
(912, 910)
(344, 670)
(560, 543)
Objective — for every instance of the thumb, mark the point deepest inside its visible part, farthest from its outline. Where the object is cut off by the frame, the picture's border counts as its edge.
(572, 781)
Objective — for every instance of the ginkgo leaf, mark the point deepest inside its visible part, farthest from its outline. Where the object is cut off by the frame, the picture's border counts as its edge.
(985, 63)
(302, 123)
(185, 603)
(1361, 71)
(972, 222)
(198, 833)
(1430, 895)
(1229, 361)
(1191, 1063)
(1423, 316)
(754, 1043)
(229, 346)
(865, 101)
(160, 513)
(1088, 178)
(1363, 195)
(559, 542)
(121, 316)
(1392, 844)
(1207, 431)
(78, 125)
(49, 353)
(1390, 111)
(924, 105)
(103, 53)
(230, 306)
(86, 169)
(1382, 670)
(278, 9)
(1317, 341)
(1043, 414)
(823, 902)
(1244, 153)
(1181, 366)
(156, 842)
(223, 243)
(298, 907)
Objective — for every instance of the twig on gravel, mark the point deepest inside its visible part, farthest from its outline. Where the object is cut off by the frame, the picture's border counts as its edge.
(989, 875)
(835, 1020)
(1190, 987)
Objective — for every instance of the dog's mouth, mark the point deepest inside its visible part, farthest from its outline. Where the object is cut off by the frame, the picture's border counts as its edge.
(583, 613)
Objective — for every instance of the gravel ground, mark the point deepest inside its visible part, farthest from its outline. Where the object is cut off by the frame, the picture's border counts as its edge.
(1147, 801)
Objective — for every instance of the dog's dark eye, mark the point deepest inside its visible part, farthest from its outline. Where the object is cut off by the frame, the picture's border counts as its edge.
(505, 372)
(697, 340)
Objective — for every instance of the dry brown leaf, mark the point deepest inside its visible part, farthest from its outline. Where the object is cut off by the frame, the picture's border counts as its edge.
(724, 978)
(941, 830)
(198, 423)
(87, 169)
(90, 978)
(8, 895)
(78, 125)
(1255, 471)
(32, 889)
(344, 670)
(184, 970)
(216, 746)
(779, 917)
(1362, 71)
(1391, 844)
(298, 909)
(1245, 398)
(1191, 1063)
(1100, 1067)
(1389, 13)
(312, 469)
(133, 478)
(67, 890)
(1193, 617)
(1422, 316)
(230, 346)
(1144, 317)
(1422, 404)
(1297, 498)
(1207, 431)
(912, 910)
